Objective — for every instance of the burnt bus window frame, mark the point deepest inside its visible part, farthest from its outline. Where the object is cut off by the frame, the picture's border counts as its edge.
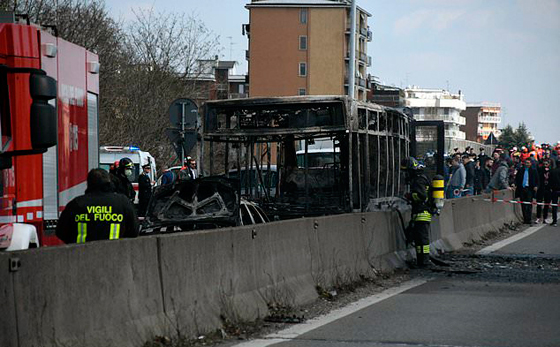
(368, 173)
(253, 117)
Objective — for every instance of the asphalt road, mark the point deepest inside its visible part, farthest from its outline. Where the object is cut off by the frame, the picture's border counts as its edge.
(514, 301)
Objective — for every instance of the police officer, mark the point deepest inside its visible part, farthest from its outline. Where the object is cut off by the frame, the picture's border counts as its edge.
(418, 197)
(99, 214)
(187, 172)
(144, 189)
(121, 180)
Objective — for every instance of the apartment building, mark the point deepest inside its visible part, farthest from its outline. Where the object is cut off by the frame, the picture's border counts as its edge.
(303, 48)
(437, 104)
(386, 95)
(216, 79)
(482, 119)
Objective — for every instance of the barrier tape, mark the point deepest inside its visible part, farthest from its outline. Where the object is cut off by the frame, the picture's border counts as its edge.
(521, 202)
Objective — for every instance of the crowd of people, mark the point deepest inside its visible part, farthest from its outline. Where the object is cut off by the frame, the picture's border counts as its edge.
(532, 171)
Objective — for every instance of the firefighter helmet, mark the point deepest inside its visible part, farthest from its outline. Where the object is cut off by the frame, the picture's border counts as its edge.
(411, 163)
(125, 163)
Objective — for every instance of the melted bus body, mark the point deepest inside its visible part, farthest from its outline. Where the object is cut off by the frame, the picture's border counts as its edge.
(331, 154)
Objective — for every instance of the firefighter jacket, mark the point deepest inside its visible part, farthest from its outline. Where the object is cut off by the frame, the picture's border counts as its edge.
(123, 185)
(419, 195)
(96, 216)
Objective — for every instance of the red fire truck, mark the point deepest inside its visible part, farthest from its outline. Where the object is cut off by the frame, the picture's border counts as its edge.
(49, 91)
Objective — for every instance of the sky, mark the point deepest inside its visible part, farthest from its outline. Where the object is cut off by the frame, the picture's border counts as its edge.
(500, 51)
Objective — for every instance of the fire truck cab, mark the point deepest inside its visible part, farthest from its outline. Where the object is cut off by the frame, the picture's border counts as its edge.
(49, 92)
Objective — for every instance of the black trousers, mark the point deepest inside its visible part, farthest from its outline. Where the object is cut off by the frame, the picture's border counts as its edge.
(527, 195)
(546, 196)
(554, 200)
(421, 234)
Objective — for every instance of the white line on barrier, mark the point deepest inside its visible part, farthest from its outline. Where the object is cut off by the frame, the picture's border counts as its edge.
(514, 238)
(300, 329)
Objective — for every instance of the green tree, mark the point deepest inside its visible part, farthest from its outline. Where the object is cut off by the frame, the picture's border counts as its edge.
(515, 138)
(507, 138)
(522, 135)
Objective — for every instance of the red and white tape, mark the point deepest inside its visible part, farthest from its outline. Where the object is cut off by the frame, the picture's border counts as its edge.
(521, 202)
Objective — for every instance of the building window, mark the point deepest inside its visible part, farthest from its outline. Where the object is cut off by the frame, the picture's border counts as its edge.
(446, 111)
(302, 91)
(303, 16)
(303, 69)
(303, 43)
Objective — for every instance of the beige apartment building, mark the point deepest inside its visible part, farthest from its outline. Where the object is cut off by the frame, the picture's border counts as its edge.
(302, 48)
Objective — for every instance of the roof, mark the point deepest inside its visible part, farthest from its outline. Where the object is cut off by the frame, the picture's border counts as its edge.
(226, 64)
(297, 3)
(304, 3)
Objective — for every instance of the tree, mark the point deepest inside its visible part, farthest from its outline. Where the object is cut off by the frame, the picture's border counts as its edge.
(145, 65)
(522, 135)
(515, 138)
(507, 138)
(161, 52)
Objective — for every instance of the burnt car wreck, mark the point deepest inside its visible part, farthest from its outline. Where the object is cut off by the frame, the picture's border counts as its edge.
(204, 203)
(307, 156)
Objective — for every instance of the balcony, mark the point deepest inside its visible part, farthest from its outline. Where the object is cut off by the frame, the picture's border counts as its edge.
(369, 36)
(363, 32)
(456, 134)
(363, 57)
(490, 119)
(486, 132)
(446, 118)
(369, 61)
(238, 95)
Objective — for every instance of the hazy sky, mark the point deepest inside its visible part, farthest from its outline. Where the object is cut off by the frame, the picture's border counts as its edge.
(503, 51)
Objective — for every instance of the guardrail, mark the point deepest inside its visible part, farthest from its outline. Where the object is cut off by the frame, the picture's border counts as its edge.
(125, 292)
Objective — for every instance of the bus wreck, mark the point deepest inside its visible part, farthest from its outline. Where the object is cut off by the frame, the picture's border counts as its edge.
(307, 155)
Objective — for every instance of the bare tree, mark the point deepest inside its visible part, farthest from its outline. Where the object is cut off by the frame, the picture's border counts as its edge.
(162, 51)
(145, 65)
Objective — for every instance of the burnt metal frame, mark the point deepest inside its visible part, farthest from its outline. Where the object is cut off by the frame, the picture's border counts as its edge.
(357, 131)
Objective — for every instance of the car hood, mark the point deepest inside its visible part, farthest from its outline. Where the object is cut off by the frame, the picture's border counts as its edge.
(196, 204)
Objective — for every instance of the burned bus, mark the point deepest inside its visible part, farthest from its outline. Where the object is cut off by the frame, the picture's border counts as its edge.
(307, 155)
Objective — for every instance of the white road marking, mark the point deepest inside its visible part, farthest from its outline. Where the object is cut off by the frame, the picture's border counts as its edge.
(503, 243)
(300, 329)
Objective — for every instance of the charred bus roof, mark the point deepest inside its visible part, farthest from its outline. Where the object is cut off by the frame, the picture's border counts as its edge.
(296, 115)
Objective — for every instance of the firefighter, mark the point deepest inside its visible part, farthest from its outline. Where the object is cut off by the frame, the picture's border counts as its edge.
(419, 198)
(121, 180)
(99, 214)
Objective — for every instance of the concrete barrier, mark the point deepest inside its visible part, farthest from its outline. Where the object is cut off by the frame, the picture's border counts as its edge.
(98, 292)
(122, 293)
